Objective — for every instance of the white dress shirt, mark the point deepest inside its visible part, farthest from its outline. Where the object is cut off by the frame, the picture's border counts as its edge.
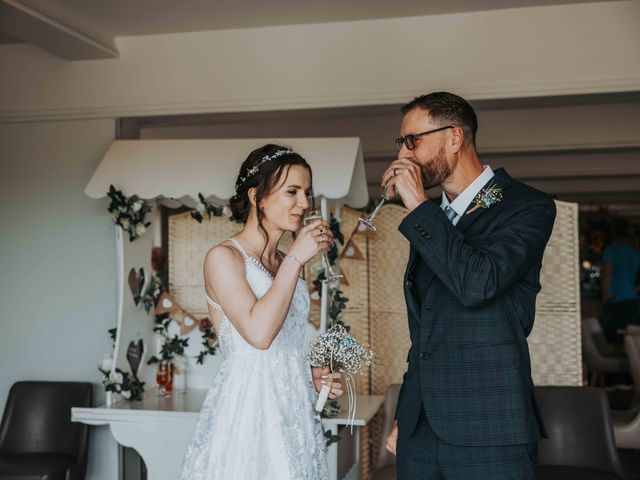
(462, 201)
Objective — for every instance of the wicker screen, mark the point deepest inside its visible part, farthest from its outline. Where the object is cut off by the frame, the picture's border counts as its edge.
(189, 241)
(554, 343)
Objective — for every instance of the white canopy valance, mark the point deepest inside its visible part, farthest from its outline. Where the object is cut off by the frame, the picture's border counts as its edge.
(184, 168)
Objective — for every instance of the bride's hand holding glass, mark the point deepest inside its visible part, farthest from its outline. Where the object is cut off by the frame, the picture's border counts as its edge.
(312, 239)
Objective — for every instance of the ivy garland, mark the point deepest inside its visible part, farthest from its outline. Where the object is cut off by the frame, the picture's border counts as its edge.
(204, 207)
(174, 346)
(128, 212)
(209, 340)
(150, 297)
(171, 346)
(127, 385)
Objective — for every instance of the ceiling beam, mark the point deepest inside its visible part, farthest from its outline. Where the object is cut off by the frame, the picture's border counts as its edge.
(22, 22)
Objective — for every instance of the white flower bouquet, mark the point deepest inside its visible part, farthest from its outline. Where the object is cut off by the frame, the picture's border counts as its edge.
(340, 352)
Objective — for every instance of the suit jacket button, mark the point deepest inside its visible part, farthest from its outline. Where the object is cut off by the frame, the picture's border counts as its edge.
(424, 355)
(408, 284)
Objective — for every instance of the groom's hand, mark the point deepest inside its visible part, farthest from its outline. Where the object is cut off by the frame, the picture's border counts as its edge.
(392, 439)
(404, 178)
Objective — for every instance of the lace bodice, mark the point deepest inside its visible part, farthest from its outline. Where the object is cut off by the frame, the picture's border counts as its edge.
(291, 334)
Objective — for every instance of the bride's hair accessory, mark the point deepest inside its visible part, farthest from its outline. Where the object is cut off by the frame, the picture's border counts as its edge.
(253, 170)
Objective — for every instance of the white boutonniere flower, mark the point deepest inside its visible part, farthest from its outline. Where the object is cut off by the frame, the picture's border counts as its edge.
(487, 197)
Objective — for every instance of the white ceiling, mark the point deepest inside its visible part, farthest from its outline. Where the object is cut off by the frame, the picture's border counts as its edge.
(86, 29)
(144, 17)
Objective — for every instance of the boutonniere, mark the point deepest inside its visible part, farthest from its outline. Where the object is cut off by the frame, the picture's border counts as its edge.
(488, 196)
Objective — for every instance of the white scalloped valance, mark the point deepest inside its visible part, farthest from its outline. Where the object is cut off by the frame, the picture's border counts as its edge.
(184, 168)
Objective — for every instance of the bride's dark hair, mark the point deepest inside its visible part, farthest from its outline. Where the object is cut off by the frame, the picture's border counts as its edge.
(266, 177)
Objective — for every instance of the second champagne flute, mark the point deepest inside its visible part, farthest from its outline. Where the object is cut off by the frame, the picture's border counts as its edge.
(368, 222)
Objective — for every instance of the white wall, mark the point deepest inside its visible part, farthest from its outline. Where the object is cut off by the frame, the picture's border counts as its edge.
(57, 263)
(554, 50)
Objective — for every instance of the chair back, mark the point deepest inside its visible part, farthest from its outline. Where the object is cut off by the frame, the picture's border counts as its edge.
(632, 347)
(390, 401)
(580, 431)
(37, 418)
(597, 335)
(592, 355)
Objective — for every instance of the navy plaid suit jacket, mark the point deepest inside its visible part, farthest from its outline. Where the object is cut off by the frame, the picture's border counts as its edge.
(469, 365)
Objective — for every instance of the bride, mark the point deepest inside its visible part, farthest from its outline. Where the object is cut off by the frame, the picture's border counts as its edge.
(258, 420)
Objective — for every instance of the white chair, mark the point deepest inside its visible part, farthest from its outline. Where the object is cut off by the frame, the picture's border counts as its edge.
(598, 363)
(626, 424)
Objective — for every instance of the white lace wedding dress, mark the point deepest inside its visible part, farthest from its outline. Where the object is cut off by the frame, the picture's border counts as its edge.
(258, 419)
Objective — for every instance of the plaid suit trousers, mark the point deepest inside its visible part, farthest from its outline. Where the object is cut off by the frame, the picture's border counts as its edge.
(424, 456)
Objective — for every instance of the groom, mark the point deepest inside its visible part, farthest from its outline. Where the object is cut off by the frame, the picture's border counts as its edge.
(466, 409)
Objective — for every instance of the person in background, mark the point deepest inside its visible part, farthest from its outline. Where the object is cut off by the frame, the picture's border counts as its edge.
(620, 268)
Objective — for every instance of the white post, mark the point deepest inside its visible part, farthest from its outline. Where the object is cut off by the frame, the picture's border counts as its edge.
(332, 455)
(120, 299)
(324, 298)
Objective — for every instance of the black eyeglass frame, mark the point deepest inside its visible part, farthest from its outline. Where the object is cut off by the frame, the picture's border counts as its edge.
(410, 140)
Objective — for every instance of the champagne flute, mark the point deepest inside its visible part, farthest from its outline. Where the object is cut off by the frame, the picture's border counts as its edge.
(331, 275)
(368, 222)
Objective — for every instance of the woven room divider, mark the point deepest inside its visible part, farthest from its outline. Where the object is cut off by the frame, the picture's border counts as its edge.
(189, 241)
(376, 310)
(555, 342)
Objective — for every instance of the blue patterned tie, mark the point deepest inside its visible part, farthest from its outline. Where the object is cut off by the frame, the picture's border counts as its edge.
(450, 213)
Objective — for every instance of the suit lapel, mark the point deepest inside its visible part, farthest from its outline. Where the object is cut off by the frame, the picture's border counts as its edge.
(502, 180)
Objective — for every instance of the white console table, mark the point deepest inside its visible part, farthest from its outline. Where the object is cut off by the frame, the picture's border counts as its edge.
(159, 428)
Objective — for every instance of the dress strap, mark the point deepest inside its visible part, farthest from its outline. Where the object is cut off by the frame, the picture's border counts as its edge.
(213, 304)
(250, 259)
(239, 247)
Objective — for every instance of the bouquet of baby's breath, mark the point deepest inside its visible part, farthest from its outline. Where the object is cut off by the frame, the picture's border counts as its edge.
(340, 352)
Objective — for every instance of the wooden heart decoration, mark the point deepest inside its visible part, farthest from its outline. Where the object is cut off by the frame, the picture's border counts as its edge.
(133, 283)
(141, 281)
(135, 353)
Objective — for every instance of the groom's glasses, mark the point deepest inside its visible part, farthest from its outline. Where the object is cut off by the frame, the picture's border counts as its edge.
(410, 140)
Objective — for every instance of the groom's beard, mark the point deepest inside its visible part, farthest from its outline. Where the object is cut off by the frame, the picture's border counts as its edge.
(436, 170)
